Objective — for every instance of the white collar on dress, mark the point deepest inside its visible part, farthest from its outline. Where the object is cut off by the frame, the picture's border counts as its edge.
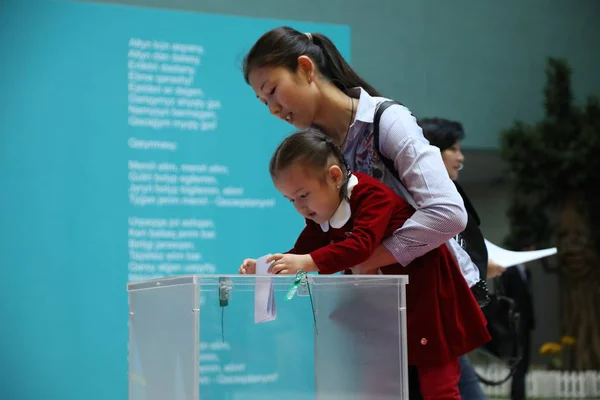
(343, 212)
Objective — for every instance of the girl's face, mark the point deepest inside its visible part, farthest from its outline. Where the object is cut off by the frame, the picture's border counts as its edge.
(453, 160)
(291, 96)
(315, 197)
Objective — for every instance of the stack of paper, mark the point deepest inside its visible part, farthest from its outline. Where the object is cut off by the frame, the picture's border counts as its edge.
(507, 258)
(264, 298)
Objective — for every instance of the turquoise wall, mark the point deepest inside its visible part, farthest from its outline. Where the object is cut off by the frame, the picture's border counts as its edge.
(478, 62)
(131, 148)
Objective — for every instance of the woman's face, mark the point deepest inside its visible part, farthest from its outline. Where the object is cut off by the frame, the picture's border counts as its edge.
(453, 160)
(291, 96)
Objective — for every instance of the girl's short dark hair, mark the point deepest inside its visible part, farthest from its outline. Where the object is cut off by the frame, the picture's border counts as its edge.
(310, 148)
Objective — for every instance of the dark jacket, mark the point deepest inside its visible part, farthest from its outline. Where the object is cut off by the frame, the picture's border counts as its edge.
(518, 289)
(471, 239)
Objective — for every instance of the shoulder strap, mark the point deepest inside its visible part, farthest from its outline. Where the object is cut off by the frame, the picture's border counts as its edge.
(468, 205)
(389, 164)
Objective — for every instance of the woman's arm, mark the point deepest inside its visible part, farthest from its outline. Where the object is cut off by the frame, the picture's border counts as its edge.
(440, 213)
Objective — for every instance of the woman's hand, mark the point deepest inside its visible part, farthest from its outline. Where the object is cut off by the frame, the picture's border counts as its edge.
(494, 269)
(362, 270)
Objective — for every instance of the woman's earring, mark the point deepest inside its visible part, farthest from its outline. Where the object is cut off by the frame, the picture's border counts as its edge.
(309, 79)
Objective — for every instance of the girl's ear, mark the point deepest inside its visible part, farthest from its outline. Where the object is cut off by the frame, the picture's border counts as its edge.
(336, 175)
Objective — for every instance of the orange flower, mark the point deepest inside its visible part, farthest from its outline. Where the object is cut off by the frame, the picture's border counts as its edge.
(568, 340)
(550, 348)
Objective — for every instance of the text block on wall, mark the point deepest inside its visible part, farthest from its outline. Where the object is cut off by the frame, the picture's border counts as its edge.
(131, 147)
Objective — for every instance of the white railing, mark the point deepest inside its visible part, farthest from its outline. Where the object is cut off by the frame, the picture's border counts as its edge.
(545, 384)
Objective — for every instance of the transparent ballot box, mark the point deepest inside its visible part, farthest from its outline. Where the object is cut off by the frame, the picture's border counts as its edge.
(219, 337)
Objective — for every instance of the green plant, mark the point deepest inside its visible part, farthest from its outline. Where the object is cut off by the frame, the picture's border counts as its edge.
(554, 177)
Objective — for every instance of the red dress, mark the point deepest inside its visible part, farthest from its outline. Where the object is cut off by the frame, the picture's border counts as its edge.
(444, 320)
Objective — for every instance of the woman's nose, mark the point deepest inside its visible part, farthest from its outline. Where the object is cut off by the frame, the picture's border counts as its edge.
(275, 109)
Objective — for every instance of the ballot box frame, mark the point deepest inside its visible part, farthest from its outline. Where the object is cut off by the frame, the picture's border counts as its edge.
(229, 282)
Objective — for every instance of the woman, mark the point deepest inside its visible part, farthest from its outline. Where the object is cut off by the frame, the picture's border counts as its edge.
(304, 80)
(447, 136)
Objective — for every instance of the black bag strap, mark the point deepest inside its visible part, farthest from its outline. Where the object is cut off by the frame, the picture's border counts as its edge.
(389, 164)
(512, 368)
(512, 364)
(511, 372)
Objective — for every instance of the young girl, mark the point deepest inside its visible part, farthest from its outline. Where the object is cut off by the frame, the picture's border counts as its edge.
(303, 79)
(347, 216)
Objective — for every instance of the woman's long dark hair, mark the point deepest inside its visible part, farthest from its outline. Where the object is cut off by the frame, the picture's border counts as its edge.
(282, 46)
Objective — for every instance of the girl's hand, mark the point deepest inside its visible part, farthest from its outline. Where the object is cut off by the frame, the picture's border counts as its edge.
(248, 267)
(291, 263)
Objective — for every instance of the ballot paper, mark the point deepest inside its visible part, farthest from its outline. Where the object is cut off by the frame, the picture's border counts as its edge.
(507, 258)
(264, 298)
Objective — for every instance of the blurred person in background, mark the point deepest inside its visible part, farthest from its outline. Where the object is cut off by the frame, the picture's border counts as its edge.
(447, 136)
